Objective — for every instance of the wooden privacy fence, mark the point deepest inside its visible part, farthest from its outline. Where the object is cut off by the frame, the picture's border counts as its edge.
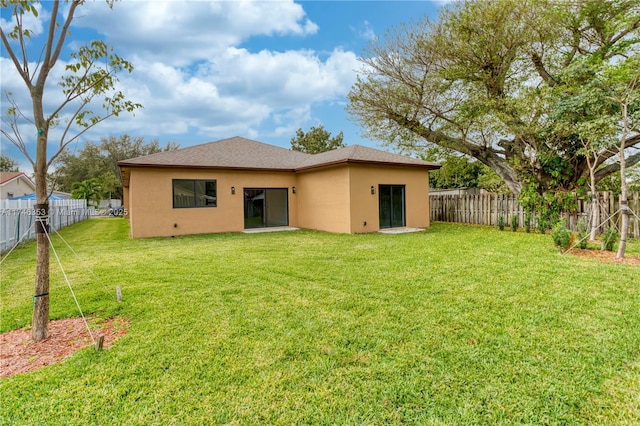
(486, 209)
(17, 218)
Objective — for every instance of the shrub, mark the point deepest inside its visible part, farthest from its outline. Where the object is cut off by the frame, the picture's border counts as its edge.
(543, 225)
(501, 223)
(582, 228)
(527, 222)
(514, 222)
(561, 236)
(610, 238)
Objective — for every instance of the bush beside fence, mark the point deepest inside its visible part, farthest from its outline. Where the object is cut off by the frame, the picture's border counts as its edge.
(486, 209)
(17, 218)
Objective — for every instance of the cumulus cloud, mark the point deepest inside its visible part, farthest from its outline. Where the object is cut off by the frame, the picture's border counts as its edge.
(195, 74)
(180, 32)
(30, 22)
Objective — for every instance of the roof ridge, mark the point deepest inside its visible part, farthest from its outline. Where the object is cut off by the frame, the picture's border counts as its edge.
(13, 175)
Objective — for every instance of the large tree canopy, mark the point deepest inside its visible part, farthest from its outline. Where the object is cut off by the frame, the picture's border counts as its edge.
(483, 80)
(99, 161)
(316, 140)
(8, 164)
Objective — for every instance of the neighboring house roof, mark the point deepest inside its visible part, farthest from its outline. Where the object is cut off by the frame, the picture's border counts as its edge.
(6, 177)
(241, 153)
(32, 196)
(62, 195)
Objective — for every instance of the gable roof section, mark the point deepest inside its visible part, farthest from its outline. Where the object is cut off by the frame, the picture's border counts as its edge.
(361, 154)
(232, 153)
(240, 153)
(6, 177)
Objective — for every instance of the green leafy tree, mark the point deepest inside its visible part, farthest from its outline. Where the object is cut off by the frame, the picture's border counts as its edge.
(316, 140)
(456, 172)
(479, 79)
(460, 172)
(612, 183)
(603, 112)
(87, 95)
(100, 160)
(8, 164)
(622, 80)
(89, 190)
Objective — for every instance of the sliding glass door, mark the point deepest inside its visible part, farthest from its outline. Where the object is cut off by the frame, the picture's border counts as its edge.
(266, 207)
(392, 206)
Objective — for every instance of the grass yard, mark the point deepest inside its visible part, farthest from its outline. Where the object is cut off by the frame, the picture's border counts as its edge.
(456, 325)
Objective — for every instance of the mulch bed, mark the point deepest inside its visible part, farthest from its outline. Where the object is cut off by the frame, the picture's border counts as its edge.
(19, 354)
(604, 256)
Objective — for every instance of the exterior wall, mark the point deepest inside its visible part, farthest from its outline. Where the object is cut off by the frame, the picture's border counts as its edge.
(339, 199)
(126, 202)
(18, 187)
(323, 199)
(334, 199)
(150, 201)
(364, 206)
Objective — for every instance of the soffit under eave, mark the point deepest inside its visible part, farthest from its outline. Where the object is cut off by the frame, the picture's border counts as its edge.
(125, 176)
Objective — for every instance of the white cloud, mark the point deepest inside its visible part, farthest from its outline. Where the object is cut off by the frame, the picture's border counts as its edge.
(366, 31)
(240, 90)
(179, 33)
(193, 73)
(30, 22)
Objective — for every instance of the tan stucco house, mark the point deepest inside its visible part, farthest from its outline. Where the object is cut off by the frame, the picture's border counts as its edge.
(237, 184)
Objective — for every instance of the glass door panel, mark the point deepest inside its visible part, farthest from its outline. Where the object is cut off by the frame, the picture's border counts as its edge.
(276, 207)
(254, 208)
(266, 207)
(397, 206)
(391, 206)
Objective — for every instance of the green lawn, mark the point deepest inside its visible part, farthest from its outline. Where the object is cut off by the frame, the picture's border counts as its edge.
(456, 325)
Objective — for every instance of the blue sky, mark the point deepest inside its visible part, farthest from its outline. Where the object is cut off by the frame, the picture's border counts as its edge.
(209, 70)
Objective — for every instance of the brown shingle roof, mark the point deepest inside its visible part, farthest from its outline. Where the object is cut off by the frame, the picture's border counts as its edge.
(232, 153)
(361, 154)
(241, 153)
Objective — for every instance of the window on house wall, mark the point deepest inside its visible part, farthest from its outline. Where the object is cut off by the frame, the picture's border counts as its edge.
(194, 193)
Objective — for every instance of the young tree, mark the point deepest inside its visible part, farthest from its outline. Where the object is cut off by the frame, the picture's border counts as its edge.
(583, 113)
(316, 140)
(90, 74)
(604, 114)
(475, 81)
(623, 81)
(8, 164)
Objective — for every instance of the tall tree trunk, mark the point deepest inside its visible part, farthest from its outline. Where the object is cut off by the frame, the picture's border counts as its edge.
(40, 319)
(595, 212)
(624, 208)
(624, 204)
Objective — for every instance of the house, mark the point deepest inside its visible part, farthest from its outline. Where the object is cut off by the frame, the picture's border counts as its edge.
(15, 184)
(236, 184)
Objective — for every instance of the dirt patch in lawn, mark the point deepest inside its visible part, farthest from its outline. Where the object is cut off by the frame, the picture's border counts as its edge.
(604, 256)
(19, 354)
